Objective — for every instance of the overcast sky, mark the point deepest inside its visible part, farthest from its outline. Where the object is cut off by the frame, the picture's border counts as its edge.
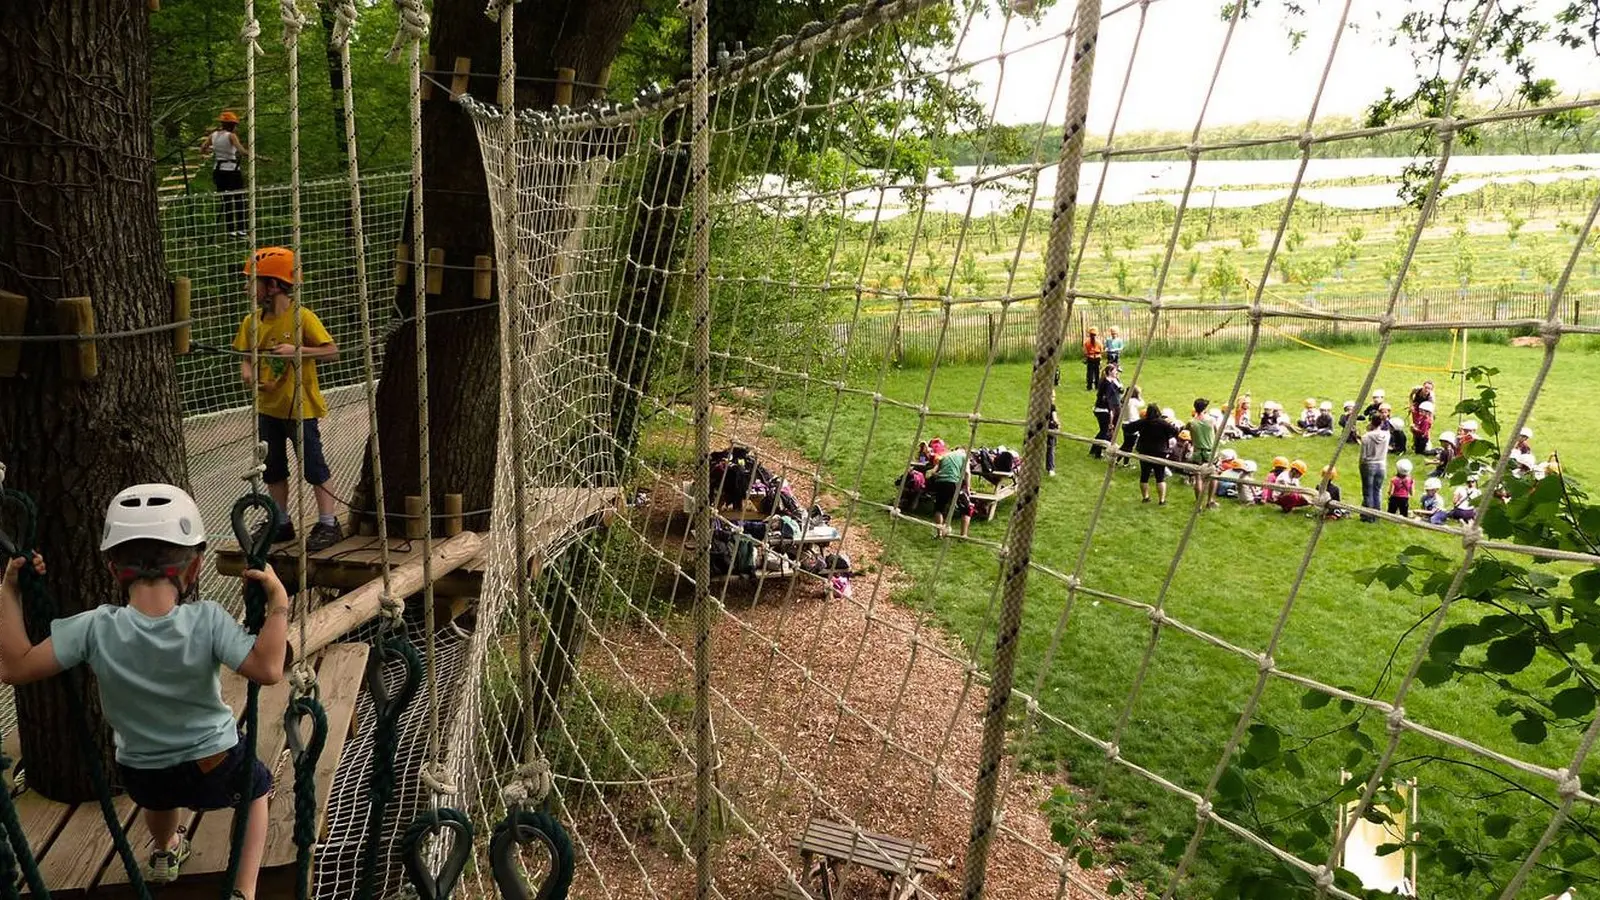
(1261, 77)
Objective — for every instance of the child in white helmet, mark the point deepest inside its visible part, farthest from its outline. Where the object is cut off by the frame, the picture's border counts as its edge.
(1524, 442)
(1400, 489)
(1248, 493)
(1469, 432)
(1449, 449)
(1324, 426)
(155, 658)
(1430, 500)
(1421, 426)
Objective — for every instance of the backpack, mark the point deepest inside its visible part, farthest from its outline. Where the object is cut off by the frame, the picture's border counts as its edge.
(722, 549)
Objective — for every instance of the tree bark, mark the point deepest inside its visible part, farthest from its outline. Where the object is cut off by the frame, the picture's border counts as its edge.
(78, 217)
(463, 333)
(336, 75)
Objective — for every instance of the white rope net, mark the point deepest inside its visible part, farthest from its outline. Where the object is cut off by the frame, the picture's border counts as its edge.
(941, 691)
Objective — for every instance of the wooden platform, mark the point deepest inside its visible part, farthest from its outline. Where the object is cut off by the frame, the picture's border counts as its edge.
(354, 561)
(74, 848)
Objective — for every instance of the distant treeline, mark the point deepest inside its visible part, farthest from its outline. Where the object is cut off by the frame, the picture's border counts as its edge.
(1572, 132)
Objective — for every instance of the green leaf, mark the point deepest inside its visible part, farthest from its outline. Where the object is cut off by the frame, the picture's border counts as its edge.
(1433, 673)
(1577, 852)
(1497, 826)
(1264, 742)
(1529, 730)
(1346, 705)
(1513, 654)
(1086, 859)
(1391, 576)
(1172, 850)
(1292, 765)
(1115, 888)
(1300, 842)
(1456, 638)
(1496, 522)
(1572, 702)
(1353, 757)
(1386, 849)
(1314, 699)
(1586, 584)
(1559, 678)
(1231, 785)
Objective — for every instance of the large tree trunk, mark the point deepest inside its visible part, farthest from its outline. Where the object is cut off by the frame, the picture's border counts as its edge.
(463, 353)
(78, 218)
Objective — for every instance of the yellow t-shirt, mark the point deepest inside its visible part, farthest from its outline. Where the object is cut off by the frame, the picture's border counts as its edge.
(276, 381)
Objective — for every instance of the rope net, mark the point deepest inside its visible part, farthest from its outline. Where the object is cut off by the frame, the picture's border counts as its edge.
(984, 692)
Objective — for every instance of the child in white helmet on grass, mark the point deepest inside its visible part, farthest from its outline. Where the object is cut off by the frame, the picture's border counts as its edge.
(1430, 500)
(155, 658)
(1400, 489)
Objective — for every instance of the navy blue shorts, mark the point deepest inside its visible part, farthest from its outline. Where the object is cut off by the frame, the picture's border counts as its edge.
(184, 786)
(279, 433)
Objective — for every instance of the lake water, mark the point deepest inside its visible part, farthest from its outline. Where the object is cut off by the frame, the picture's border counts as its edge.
(1140, 181)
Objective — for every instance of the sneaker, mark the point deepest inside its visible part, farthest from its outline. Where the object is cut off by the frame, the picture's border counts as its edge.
(323, 536)
(164, 864)
(285, 532)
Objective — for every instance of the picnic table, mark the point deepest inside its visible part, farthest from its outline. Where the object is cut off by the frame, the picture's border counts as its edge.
(986, 495)
(827, 847)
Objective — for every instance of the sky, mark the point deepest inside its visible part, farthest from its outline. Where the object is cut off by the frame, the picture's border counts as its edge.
(1261, 77)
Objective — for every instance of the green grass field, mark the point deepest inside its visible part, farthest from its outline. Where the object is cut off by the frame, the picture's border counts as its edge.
(1232, 582)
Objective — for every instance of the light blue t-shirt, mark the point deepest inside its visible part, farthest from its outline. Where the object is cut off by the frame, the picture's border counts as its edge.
(159, 688)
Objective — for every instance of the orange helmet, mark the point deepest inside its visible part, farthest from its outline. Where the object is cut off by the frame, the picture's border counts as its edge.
(1298, 467)
(272, 262)
(1280, 462)
(1330, 472)
(229, 116)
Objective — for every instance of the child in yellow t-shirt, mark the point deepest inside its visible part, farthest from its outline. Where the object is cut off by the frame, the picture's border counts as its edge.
(285, 400)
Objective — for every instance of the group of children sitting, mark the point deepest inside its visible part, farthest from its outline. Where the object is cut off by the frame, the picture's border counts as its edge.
(945, 474)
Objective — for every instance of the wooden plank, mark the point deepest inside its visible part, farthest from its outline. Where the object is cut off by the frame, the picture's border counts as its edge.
(83, 848)
(339, 678)
(209, 844)
(41, 819)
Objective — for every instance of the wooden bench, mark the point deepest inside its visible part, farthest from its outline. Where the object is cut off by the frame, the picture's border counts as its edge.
(986, 495)
(826, 847)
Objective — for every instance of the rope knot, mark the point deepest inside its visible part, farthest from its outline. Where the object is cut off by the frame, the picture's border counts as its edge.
(293, 21)
(1324, 877)
(392, 610)
(1386, 322)
(434, 776)
(303, 679)
(1395, 720)
(257, 470)
(1157, 617)
(250, 35)
(344, 21)
(1550, 330)
(1265, 662)
(1113, 752)
(1202, 810)
(495, 8)
(1323, 500)
(1470, 536)
(1568, 785)
(533, 783)
(413, 27)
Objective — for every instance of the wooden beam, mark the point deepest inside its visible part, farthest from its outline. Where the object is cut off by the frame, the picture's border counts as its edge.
(13, 320)
(436, 270)
(452, 514)
(564, 79)
(427, 80)
(80, 360)
(458, 81)
(181, 293)
(482, 277)
(334, 620)
(402, 265)
(416, 526)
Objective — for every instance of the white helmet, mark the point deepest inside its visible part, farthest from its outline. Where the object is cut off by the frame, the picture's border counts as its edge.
(155, 512)
(1403, 466)
(1229, 454)
(1349, 404)
(1378, 394)
(1327, 406)
(1249, 466)
(1426, 406)
(1469, 425)
(1448, 437)
(1167, 413)
(1527, 433)
(1432, 484)
(1524, 460)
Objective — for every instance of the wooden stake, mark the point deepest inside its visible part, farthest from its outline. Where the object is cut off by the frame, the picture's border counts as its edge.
(482, 277)
(402, 265)
(564, 79)
(334, 620)
(80, 360)
(436, 270)
(414, 521)
(452, 514)
(427, 80)
(181, 292)
(13, 320)
(458, 82)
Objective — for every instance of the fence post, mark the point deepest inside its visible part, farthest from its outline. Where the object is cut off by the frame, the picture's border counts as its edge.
(989, 321)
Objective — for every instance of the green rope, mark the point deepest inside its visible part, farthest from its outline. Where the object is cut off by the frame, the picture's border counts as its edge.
(305, 783)
(526, 826)
(16, 851)
(428, 885)
(38, 613)
(385, 739)
(255, 616)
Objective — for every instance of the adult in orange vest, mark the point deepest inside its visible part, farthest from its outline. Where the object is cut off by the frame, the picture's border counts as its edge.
(1092, 350)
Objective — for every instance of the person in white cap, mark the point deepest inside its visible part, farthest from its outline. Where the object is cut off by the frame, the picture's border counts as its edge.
(1400, 489)
(1323, 426)
(1524, 442)
(1449, 449)
(155, 658)
(1430, 500)
(1345, 419)
(1248, 493)
(1469, 432)
(1421, 426)
(1373, 405)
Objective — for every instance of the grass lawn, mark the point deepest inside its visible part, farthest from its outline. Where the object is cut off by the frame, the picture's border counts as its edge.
(1232, 582)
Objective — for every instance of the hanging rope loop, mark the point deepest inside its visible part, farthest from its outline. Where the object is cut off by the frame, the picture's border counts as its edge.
(495, 8)
(294, 21)
(413, 26)
(344, 22)
(437, 780)
(250, 34)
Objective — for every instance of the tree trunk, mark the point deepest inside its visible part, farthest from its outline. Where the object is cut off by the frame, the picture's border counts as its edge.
(336, 75)
(463, 349)
(78, 218)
